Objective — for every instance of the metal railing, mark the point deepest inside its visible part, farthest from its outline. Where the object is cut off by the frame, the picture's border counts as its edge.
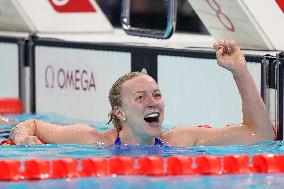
(273, 89)
(151, 33)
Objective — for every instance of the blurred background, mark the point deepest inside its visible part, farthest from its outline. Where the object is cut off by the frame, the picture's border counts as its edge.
(152, 14)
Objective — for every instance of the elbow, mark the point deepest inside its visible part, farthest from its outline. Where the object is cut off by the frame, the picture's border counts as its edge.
(271, 134)
(265, 133)
(268, 135)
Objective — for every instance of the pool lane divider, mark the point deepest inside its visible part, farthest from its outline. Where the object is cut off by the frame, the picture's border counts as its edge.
(11, 106)
(39, 169)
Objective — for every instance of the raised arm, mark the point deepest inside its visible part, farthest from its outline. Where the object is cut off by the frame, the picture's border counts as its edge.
(255, 115)
(33, 132)
(256, 125)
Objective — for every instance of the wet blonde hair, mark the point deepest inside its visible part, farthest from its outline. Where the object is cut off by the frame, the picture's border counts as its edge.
(115, 97)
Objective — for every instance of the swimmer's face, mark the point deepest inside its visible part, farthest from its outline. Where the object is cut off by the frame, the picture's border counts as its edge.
(143, 105)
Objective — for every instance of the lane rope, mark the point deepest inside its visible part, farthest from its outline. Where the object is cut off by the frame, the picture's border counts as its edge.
(37, 169)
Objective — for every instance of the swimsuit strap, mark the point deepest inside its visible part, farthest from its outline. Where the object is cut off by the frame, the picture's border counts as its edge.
(117, 141)
(158, 142)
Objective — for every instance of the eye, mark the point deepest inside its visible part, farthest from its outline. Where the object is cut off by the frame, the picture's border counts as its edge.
(158, 95)
(140, 98)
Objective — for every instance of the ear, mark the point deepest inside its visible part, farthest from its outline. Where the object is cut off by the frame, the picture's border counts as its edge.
(119, 113)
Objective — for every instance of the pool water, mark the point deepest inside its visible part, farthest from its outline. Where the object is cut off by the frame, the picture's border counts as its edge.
(177, 182)
(54, 151)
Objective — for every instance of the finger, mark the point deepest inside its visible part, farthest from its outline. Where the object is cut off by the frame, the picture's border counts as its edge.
(218, 44)
(227, 45)
(232, 45)
(35, 140)
(31, 140)
(220, 52)
(24, 142)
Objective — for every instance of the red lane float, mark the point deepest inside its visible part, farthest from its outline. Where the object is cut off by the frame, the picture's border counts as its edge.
(180, 165)
(36, 169)
(65, 168)
(236, 164)
(7, 142)
(11, 106)
(94, 167)
(10, 170)
(150, 166)
(208, 165)
(121, 166)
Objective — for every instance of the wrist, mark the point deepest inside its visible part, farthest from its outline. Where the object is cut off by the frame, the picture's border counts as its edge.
(240, 71)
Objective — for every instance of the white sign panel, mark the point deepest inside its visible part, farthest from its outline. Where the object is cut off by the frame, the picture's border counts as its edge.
(253, 24)
(198, 91)
(9, 71)
(75, 82)
(53, 16)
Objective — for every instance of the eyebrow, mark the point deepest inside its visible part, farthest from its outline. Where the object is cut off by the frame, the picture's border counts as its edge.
(139, 92)
(156, 90)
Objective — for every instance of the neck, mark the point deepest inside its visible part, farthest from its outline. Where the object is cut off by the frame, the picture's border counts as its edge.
(128, 136)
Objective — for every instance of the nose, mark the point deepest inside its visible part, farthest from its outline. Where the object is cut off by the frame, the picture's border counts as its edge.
(152, 103)
(152, 106)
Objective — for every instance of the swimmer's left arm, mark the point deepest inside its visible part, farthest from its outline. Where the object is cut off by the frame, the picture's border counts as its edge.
(256, 125)
(199, 136)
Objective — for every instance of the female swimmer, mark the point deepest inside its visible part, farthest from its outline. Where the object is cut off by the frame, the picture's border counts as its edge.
(138, 112)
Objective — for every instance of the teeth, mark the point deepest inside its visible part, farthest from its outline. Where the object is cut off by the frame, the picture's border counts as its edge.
(152, 115)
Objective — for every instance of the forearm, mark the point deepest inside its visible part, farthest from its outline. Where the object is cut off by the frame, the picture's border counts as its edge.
(71, 134)
(35, 132)
(255, 114)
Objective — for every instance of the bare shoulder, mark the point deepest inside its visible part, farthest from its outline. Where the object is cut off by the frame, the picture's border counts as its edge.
(181, 136)
(202, 136)
(103, 138)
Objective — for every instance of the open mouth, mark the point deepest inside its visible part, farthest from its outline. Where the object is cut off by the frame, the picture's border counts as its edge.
(152, 119)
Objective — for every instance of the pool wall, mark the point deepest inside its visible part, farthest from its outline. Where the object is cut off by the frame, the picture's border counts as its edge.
(12, 67)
